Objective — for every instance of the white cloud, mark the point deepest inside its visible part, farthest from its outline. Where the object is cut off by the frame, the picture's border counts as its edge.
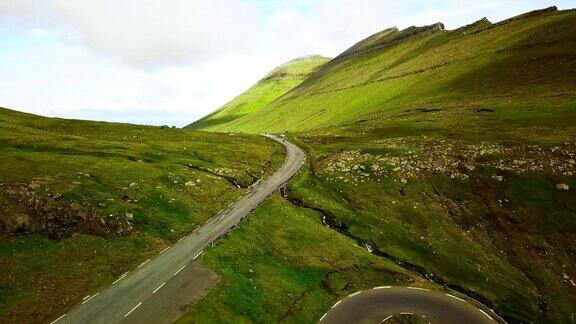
(144, 32)
(172, 61)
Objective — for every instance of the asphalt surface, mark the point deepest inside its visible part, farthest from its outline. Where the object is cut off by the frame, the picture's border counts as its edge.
(381, 303)
(156, 290)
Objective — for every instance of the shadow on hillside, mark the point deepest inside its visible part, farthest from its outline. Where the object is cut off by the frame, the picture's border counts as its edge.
(205, 123)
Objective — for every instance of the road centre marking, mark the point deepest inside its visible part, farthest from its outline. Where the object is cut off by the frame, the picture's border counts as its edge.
(56, 320)
(483, 312)
(143, 263)
(121, 277)
(418, 288)
(155, 290)
(175, 273)
(133, 309)
(460, 299)
(84, 302)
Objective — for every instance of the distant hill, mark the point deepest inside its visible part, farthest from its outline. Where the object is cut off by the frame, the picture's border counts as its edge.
(523, 61)
(276, 83)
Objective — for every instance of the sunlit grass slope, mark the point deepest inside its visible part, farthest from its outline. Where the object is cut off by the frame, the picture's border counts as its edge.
(275, 84)
(82, 202)
(522, 62)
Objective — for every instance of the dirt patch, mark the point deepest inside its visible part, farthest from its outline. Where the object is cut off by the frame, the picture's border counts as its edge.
(26, 210)
(484, 110)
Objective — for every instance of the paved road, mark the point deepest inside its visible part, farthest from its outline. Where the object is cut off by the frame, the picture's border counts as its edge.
(156, 290)
(381, 303)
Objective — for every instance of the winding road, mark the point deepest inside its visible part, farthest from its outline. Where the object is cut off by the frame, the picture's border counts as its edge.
(156, 291)
(382, 303)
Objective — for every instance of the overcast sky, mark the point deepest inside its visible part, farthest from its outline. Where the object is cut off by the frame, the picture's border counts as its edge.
(173, 61)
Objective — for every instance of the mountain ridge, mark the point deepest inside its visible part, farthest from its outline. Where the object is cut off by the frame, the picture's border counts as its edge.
(273, 85)
(423, 66)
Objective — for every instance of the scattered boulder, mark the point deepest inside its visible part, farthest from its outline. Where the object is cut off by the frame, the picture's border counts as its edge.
(129, 216)
(562, 187)
(133, 185)
(498, 178)
(82, 174)
(190, 184)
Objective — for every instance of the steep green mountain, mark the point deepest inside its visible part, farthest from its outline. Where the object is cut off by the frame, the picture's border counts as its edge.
(276, 83)
(82, 202)
(449, 153)
(521, 62)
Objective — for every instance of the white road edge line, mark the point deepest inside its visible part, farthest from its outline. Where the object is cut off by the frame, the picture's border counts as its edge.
(387, 318)
(181, 238)
(194, 258)
(354, 294)
(405, 313)
(143, 263)
(121, 277)
(460, 299)
(337, 303)
(483, 312)
(56, 320)
(322, 318)
(382, 287)
(177, 272)
(155, 290)
(166, 248)
(418, 288)
(84, 302)
(133, 309)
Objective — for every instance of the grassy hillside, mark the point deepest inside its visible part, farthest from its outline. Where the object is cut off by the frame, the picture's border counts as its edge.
(82, 202)
(284, 265)
(520, 63)
(273, 85)
(493, 218)
(450, 153)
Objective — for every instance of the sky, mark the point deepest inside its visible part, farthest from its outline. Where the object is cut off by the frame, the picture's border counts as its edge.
(173, 61)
